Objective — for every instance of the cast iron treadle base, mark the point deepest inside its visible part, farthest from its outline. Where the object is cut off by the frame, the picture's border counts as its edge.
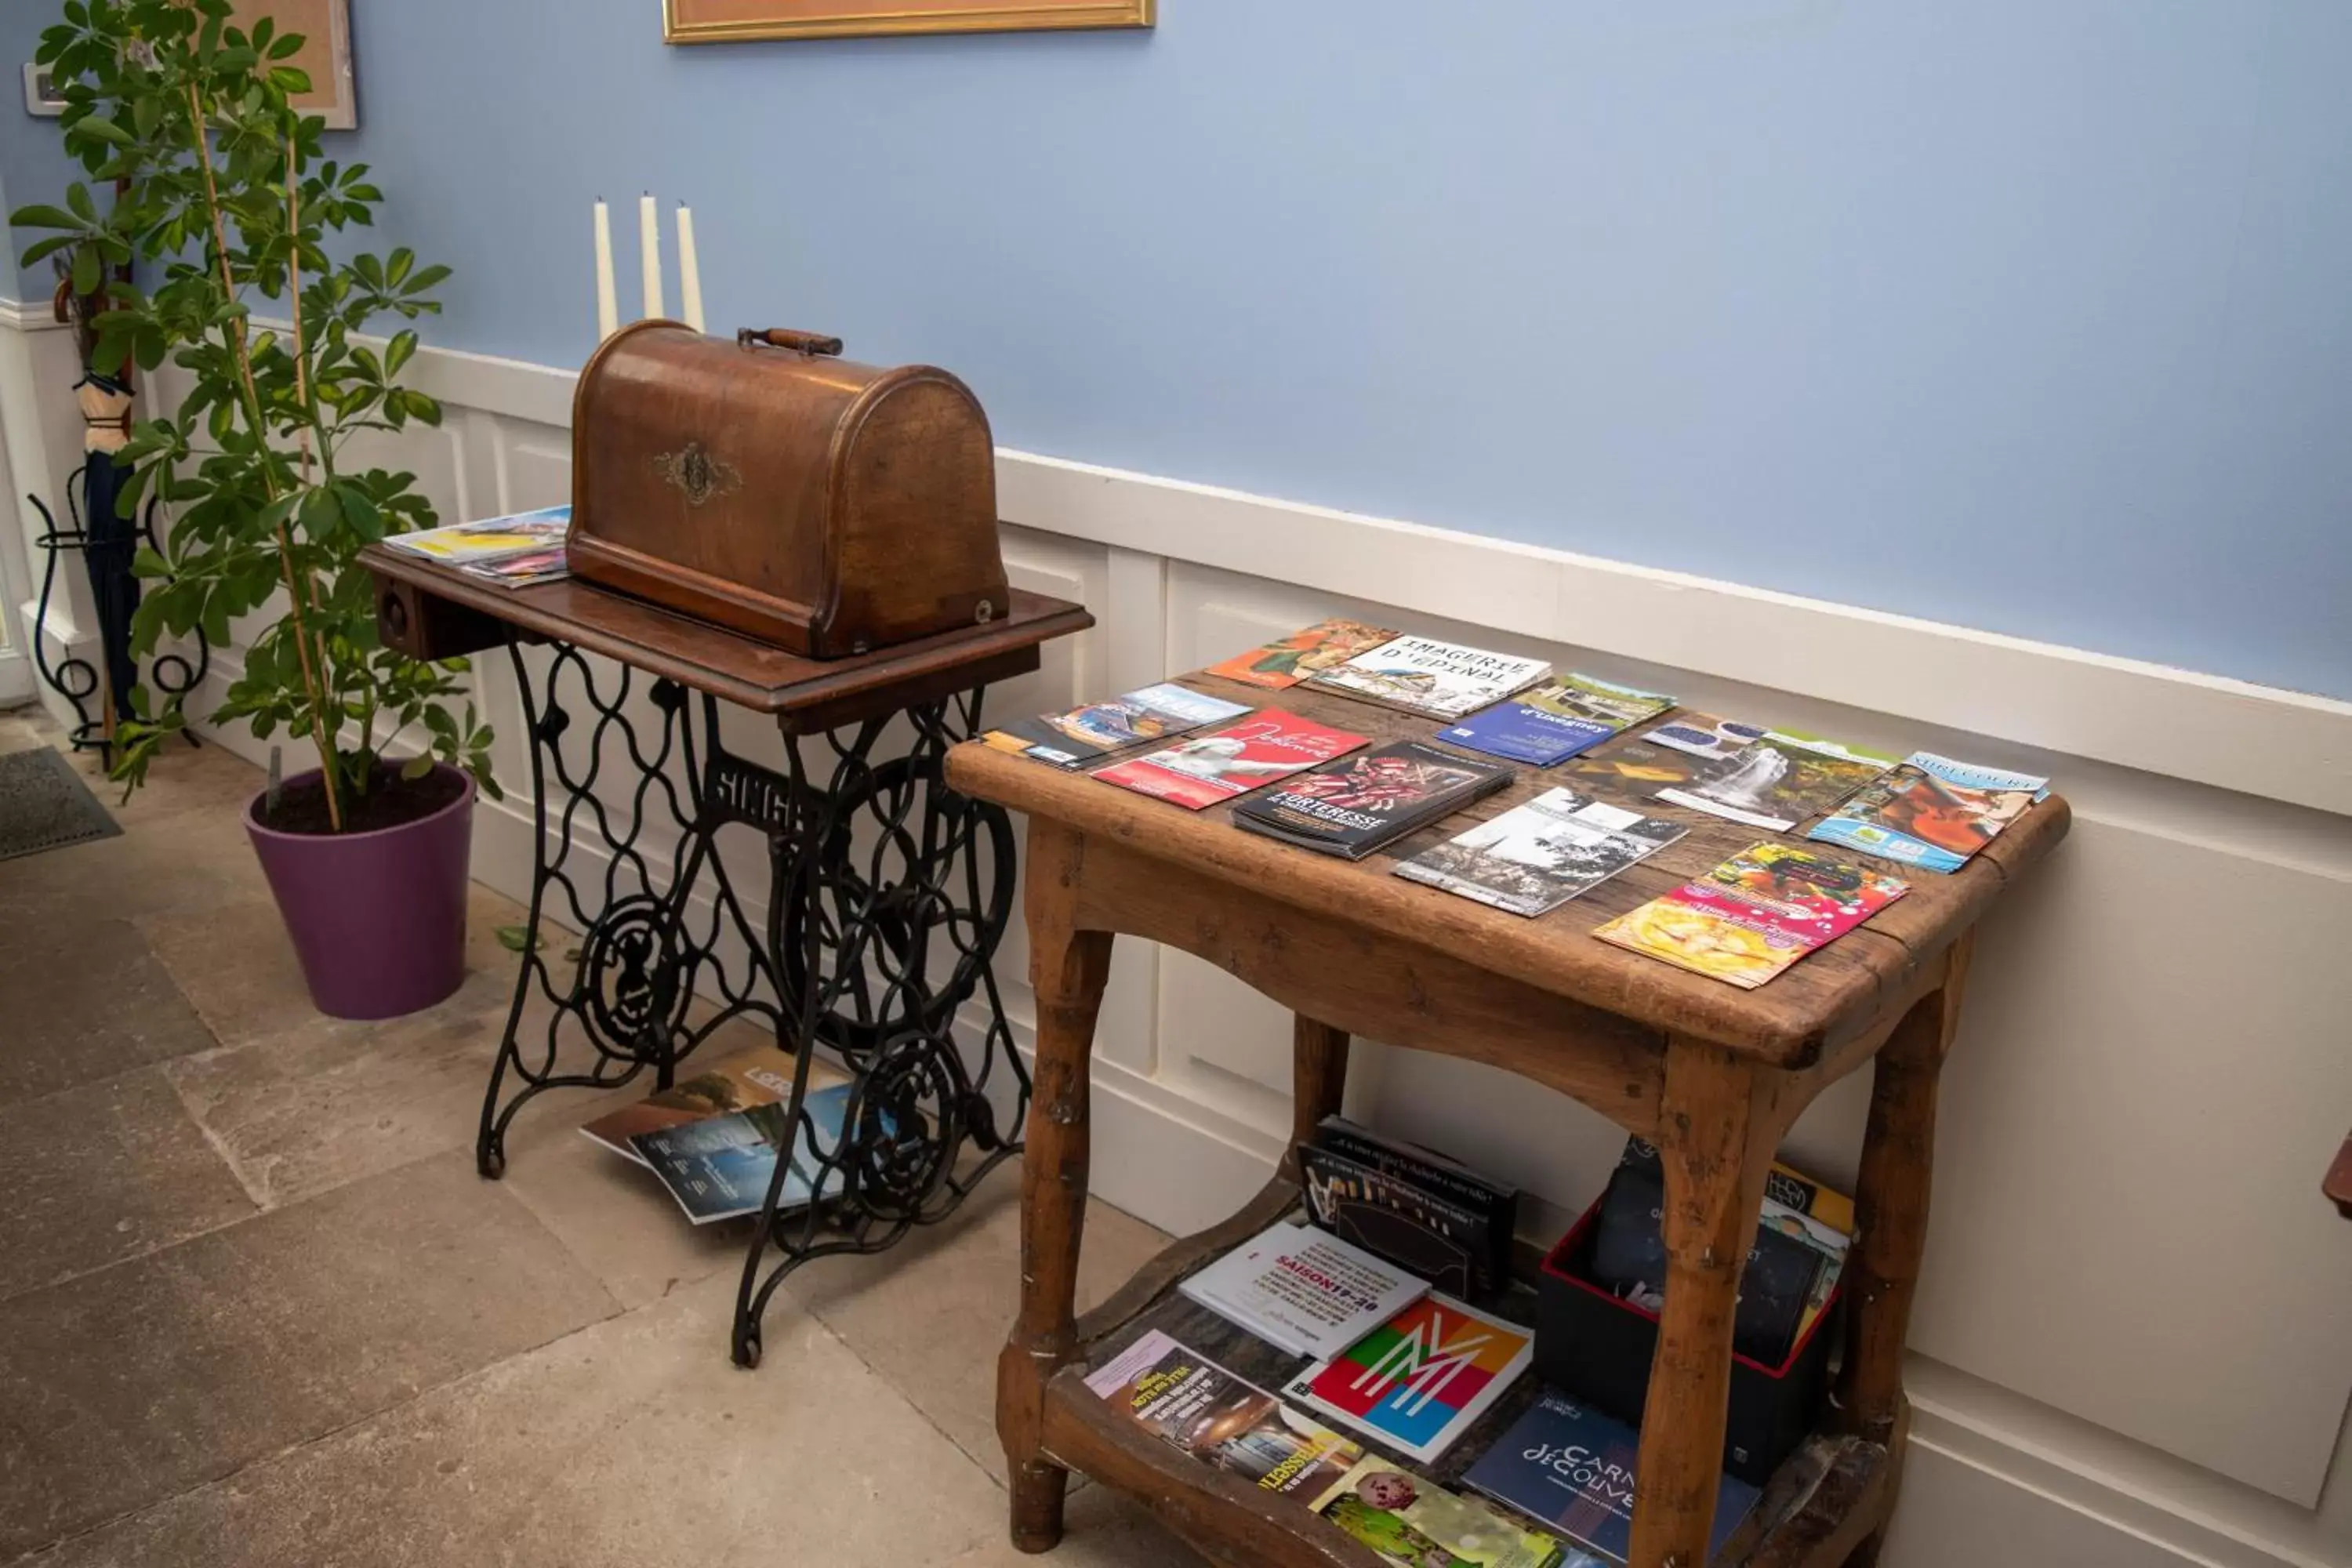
(887, 886)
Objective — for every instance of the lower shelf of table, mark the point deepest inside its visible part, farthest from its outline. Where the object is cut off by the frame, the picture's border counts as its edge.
(1827, 1495)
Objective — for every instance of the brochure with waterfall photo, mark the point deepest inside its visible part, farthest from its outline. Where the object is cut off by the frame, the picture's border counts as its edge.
(1539, 855)
(1932, 812)
(1421, 675)
(1754, 915)
(1087, 734)
(1778, 779)
(1197, 1407)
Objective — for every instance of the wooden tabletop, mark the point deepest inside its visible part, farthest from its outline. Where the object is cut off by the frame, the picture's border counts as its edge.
(1827, 996)
(736, 668)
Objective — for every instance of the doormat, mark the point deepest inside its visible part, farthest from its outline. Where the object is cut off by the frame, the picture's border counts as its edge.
(44, 805)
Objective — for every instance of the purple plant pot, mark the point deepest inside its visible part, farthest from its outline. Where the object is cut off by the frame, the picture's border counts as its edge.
(378, 918)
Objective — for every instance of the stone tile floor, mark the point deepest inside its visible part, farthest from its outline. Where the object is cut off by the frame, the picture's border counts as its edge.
(255, 1307)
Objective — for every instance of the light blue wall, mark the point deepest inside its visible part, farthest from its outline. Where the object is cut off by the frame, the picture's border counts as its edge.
(2028, 316)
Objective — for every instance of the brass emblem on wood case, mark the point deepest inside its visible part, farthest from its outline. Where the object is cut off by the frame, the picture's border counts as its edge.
(696, 475)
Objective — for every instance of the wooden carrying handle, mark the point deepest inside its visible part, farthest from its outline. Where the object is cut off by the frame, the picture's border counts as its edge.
(786, 338)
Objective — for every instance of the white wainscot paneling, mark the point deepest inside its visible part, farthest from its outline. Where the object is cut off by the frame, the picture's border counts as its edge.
(2144, 1092)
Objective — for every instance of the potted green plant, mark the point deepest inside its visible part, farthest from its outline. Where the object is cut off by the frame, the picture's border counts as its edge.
(220, 185)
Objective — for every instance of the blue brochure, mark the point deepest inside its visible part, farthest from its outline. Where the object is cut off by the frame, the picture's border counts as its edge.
(1571, 1468)
(1526, 734)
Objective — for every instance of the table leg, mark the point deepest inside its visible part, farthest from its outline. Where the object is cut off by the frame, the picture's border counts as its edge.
(1318, 1081)
(1891, 1196)
(1717, 1132)
(1069, 969)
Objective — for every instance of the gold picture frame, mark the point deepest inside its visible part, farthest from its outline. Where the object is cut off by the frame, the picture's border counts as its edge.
(326, 55)
(729, 21)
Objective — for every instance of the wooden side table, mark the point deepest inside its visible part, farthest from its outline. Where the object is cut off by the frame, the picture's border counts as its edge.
(1712, 1075)
(886, 897)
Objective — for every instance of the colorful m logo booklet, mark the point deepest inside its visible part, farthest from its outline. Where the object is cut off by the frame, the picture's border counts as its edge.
(1419, 1380)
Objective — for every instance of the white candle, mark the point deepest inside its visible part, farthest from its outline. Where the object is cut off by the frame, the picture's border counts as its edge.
(689, 270)
(608, 305)
(650, 235)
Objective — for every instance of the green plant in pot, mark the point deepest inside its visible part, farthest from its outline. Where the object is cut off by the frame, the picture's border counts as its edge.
(223, 192)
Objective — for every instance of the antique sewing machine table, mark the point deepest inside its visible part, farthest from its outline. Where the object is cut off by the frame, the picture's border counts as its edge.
(887, 892)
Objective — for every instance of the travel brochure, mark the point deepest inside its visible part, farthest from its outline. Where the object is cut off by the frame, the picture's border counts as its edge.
(1932, 812)
(1755, 914)
(1197, 1407)
(1573, 1468)
(1422, 675)
(1198, 774)
(1287, 662)
(1778, 779)
(1557, 720)
(1743, 923)
(760, 1077)
(1088, 734)
(1409, 1521)
(512, 552)
(719, 1167)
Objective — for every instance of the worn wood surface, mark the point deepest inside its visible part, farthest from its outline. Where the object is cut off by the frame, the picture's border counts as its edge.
(1069, 969)
(803, 693)
(1319, 1080)
(1891, 1201)
(828, 507)
(1719, 1121)
(1376, 984)
(1823, 1000)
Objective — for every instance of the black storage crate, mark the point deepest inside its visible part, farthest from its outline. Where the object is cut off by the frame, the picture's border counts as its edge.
(1590, 1344)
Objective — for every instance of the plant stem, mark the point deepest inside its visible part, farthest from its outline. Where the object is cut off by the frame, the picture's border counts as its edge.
(298, 583)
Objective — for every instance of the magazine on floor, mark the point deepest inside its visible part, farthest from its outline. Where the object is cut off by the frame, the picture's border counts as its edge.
(1196, 1406)
(1931, 812)
(1541, 853)
(759, 1077)
(719, 1167)
(1754, 915)
(1304, 1290)
(1418, 1381)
